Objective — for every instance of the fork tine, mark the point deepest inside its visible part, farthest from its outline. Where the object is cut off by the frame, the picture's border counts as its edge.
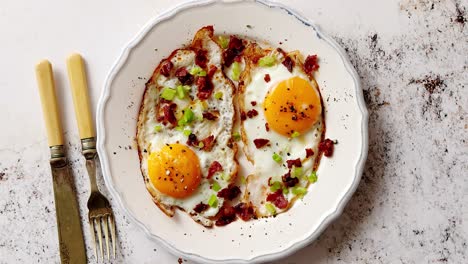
(93, 236)
(99, 232)
(112, 228)
(106, 234)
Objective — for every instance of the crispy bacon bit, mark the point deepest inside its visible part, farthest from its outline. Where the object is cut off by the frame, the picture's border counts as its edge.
(208, 143)
(260, 142)
(184, 76)
(296, 163)
(255, 58)
(252, 113)
(226, 215)
(229, 193)
(327, 147)
(205, 87)
(212, 71)
(164, 101)
(161, 119)
(244, 211)
(288, 63)
(169, 116)
(214, 168)
(210, 116)
(267, 127)
(243, 116)
(166, 68)
(192, 140)
(311, 64)
(200, 207)
(200, 58)
(280, 50)
(235, 48)
(235, 43)
(309, 152)
(253, 103)
(267, 78)
(288, 180)
(277, 198)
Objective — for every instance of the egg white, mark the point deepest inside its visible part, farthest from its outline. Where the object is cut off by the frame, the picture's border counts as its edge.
(288, 148)
(150, 140)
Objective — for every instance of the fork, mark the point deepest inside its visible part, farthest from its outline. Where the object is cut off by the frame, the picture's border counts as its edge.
(101, 217)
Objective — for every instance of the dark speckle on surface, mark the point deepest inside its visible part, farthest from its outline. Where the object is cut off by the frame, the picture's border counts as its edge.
(460, 14)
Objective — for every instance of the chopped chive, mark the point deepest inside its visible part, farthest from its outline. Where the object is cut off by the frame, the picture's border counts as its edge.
(275, 186)
(187, 132)
(297, 172)
(216, 186)
(197, 71)
(157, 128)
(270, 208)
(202, 73)
(223, 41)
(218, 95)
(235, 71)
(213, 201)
(168, 93)
(181, 92)
(204, 105)
(277, 158)
(267, 61)
(295, 134)
(226, 177)
(243, 180)
(313, 177)
(301, 191)
(179, 128)
(201, 144)
(187, 117)
(236, 136)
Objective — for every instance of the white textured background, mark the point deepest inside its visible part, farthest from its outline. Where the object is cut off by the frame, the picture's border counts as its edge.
(412, 56)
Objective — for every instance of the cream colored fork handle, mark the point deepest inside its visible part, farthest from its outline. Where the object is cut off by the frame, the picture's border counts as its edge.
(45, 81)
(79, 87)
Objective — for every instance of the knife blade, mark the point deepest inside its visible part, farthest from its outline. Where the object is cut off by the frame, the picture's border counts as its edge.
(70, 233)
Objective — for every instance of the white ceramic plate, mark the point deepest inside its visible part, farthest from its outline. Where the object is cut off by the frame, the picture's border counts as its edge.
(239, 242)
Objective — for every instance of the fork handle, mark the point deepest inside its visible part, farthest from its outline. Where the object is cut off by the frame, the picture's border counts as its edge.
(79, 87)
(45, 81)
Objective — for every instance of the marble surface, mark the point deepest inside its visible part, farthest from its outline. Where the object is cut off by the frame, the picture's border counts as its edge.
(411, 205)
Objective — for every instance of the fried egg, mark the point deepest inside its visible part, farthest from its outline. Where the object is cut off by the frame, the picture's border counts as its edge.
(282, 127)
(185, 129)
(194, 105)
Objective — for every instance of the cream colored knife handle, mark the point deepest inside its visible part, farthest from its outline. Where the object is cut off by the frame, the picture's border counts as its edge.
(45, 81)
(79, 87)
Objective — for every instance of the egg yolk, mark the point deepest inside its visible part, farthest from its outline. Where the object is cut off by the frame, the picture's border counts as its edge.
(293, 105)
(174, 170)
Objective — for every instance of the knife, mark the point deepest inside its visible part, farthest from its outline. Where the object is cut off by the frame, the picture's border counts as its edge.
(70, 233)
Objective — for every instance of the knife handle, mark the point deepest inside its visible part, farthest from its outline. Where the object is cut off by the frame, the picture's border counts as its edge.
(79, 87)
(45, 81)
